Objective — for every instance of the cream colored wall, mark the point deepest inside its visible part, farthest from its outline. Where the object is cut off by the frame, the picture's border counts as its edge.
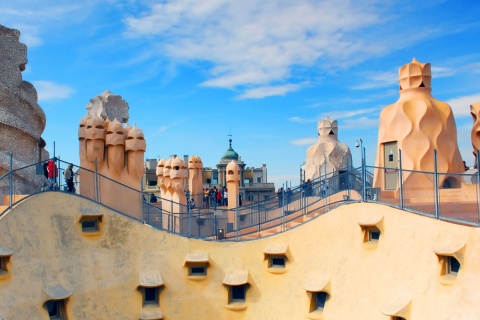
(103, 272)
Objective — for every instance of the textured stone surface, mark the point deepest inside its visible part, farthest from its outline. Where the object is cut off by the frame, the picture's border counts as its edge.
(22, 121)
(327, 150)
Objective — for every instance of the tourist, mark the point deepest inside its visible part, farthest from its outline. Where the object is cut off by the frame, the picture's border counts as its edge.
(153, 198)
(324, 188)
(225, 196)
(206, 197)
(280, 197)
(212, 196)
(68, 175)
(289, 195)
(45, 169)
(219, 197)
(52, 173)
(308, 188)
(191, 204)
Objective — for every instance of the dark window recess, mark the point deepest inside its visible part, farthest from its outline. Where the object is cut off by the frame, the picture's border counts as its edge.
(374, 235)
(151, 183)
(320, 298)
(90, 225)
(238, 293)
(198, 270)
(53, 308)
(277, 262)
(454, 265)
(150, 295)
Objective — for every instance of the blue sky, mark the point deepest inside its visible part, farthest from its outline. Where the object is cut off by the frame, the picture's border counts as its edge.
(268, 71)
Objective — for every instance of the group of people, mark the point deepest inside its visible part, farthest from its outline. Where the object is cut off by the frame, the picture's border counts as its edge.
(50, 170)
(215, 197)
(288, 196)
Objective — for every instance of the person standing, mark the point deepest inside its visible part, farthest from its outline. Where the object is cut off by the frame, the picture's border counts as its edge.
(153, 198)
(280, 197)
(68, 175)
(219, 197)
(206, 197)
(289, 195)
(225, 197)
(52, 172)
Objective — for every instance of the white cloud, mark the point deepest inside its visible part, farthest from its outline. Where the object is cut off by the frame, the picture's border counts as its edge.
(441, 72)
(360, 123)
(342, 114)
(303, 141)
(302, 120)
(377, 80)
(269, 91)
(48, 90)
(337, 115)
(257, 43)
(461, 105)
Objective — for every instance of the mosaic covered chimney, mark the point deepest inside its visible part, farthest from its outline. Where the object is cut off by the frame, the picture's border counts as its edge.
(22, 120)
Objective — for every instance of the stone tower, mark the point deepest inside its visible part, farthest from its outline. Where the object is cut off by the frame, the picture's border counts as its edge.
(22, 120)
(417, 124)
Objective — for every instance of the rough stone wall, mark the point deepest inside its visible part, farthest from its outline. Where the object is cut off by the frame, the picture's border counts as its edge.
(22, 120)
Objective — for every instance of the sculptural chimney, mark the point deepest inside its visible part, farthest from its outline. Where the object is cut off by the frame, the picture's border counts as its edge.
(417, 124)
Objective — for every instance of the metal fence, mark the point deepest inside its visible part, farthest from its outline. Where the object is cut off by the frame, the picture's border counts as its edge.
(446, 200)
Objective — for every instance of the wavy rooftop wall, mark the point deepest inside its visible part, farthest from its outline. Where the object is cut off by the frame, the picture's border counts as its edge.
(42, 243)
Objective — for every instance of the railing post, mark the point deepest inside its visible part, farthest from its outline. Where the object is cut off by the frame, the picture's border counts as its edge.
(59, 169)
(364, 178)
(236, 217)
(349, 172)
(172, 217)
(327, 190)
(435, 182)
(11, 180)
(478, 185)
(97, 197)
(283, 208)
(302, 201)
(190, 221)
(142, 196)
(400, 177)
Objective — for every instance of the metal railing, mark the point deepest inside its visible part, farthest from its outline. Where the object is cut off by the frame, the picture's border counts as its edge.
(289, 208)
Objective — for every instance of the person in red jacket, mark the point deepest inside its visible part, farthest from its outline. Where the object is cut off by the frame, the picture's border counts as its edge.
(52, 171)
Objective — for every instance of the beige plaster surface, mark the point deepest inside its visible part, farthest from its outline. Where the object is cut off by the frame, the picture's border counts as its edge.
(195, 181)
(104, 271)
(420, 124)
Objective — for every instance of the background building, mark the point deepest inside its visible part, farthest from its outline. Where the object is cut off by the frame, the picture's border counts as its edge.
(254, 185)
